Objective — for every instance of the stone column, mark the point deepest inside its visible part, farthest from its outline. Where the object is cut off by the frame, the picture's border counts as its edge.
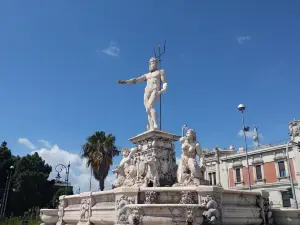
(218, 179)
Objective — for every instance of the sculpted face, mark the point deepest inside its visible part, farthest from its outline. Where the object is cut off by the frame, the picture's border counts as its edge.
(191, 135)
(125, 152)
(152, 64)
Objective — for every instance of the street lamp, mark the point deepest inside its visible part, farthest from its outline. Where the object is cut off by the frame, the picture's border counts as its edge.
(242, 108)
(60, 168)
(5, 193)
(290, 174)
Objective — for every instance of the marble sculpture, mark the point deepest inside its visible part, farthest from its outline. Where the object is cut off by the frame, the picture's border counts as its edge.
(155, 77)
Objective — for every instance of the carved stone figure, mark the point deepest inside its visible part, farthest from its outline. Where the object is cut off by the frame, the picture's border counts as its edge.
(122, 211)
(190, 215)
(84, 211)
(267, 211)
(294, 128)
(61, 207)
(189, 172)
(211, 214)
(126, 171)
(151, 197)
(136, 215)
(186, 197)
(154, 79)
(152, 177)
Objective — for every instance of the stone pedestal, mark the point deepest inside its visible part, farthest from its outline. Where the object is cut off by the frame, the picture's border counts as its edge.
(155, 158)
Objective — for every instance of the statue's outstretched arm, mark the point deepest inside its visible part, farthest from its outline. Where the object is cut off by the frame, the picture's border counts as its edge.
(129, 157)
(133, 80)
(164, 82)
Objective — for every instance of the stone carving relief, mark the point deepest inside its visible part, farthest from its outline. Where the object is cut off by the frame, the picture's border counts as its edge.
(126, 171)
(257, 161)
(136, 215)
(122, 211)
(190, 216)
(151, 197)
(85, 209)
(151, 163)
(267, 211)
(279, 156)
(189, 172)
(152, 177)
(157, 152)
(61, 206)
(237, 164)
(294, 128)
(211, 214)
(186, 197)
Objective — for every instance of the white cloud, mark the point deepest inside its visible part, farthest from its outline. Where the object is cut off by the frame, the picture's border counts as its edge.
(79, 174)
(112, 49)
(242, 39)
(26, 143)
(46, 144)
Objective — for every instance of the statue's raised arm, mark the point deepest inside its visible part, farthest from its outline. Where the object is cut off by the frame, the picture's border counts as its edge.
(133, 80)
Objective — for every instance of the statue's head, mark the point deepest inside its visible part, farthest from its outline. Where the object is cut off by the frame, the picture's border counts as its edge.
(191, 135)
(125, 152)
(153, 63)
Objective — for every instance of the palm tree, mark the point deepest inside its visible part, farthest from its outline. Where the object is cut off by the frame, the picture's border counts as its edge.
(99, 151)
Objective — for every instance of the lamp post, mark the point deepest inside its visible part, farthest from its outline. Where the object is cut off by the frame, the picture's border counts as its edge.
(5, 193)
(242, 108)
(290, 174)
(60, 168)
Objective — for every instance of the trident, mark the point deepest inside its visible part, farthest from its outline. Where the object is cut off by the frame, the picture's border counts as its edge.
(159, 60)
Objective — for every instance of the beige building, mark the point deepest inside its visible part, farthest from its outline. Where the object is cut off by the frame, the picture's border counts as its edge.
(268, 167)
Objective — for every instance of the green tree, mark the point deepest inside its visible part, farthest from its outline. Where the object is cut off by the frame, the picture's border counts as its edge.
(6, 161)
(30, 184)
(99, 151)
(59, 192)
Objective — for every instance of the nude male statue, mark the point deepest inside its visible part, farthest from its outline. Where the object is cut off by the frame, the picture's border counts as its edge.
(152, 90)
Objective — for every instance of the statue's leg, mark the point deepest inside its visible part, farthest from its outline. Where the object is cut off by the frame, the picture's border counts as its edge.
(151, 104)
(146, 104)
(192, 167)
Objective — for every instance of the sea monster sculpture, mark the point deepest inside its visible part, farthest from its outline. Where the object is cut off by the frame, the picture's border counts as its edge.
(189, 172)
(126, 171)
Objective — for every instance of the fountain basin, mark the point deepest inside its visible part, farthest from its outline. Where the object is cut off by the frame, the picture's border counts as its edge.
(49, 216)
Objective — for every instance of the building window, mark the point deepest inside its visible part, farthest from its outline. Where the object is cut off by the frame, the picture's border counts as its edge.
(281, 167)
(238, 175)
(258, 172)
(286, 199)
(210, 178)
(215, 178)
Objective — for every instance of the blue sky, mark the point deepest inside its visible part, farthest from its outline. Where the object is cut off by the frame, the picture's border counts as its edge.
(58, 84)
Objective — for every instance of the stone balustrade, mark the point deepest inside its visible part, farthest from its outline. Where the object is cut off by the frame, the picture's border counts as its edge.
(284, 216)
(165, 205)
